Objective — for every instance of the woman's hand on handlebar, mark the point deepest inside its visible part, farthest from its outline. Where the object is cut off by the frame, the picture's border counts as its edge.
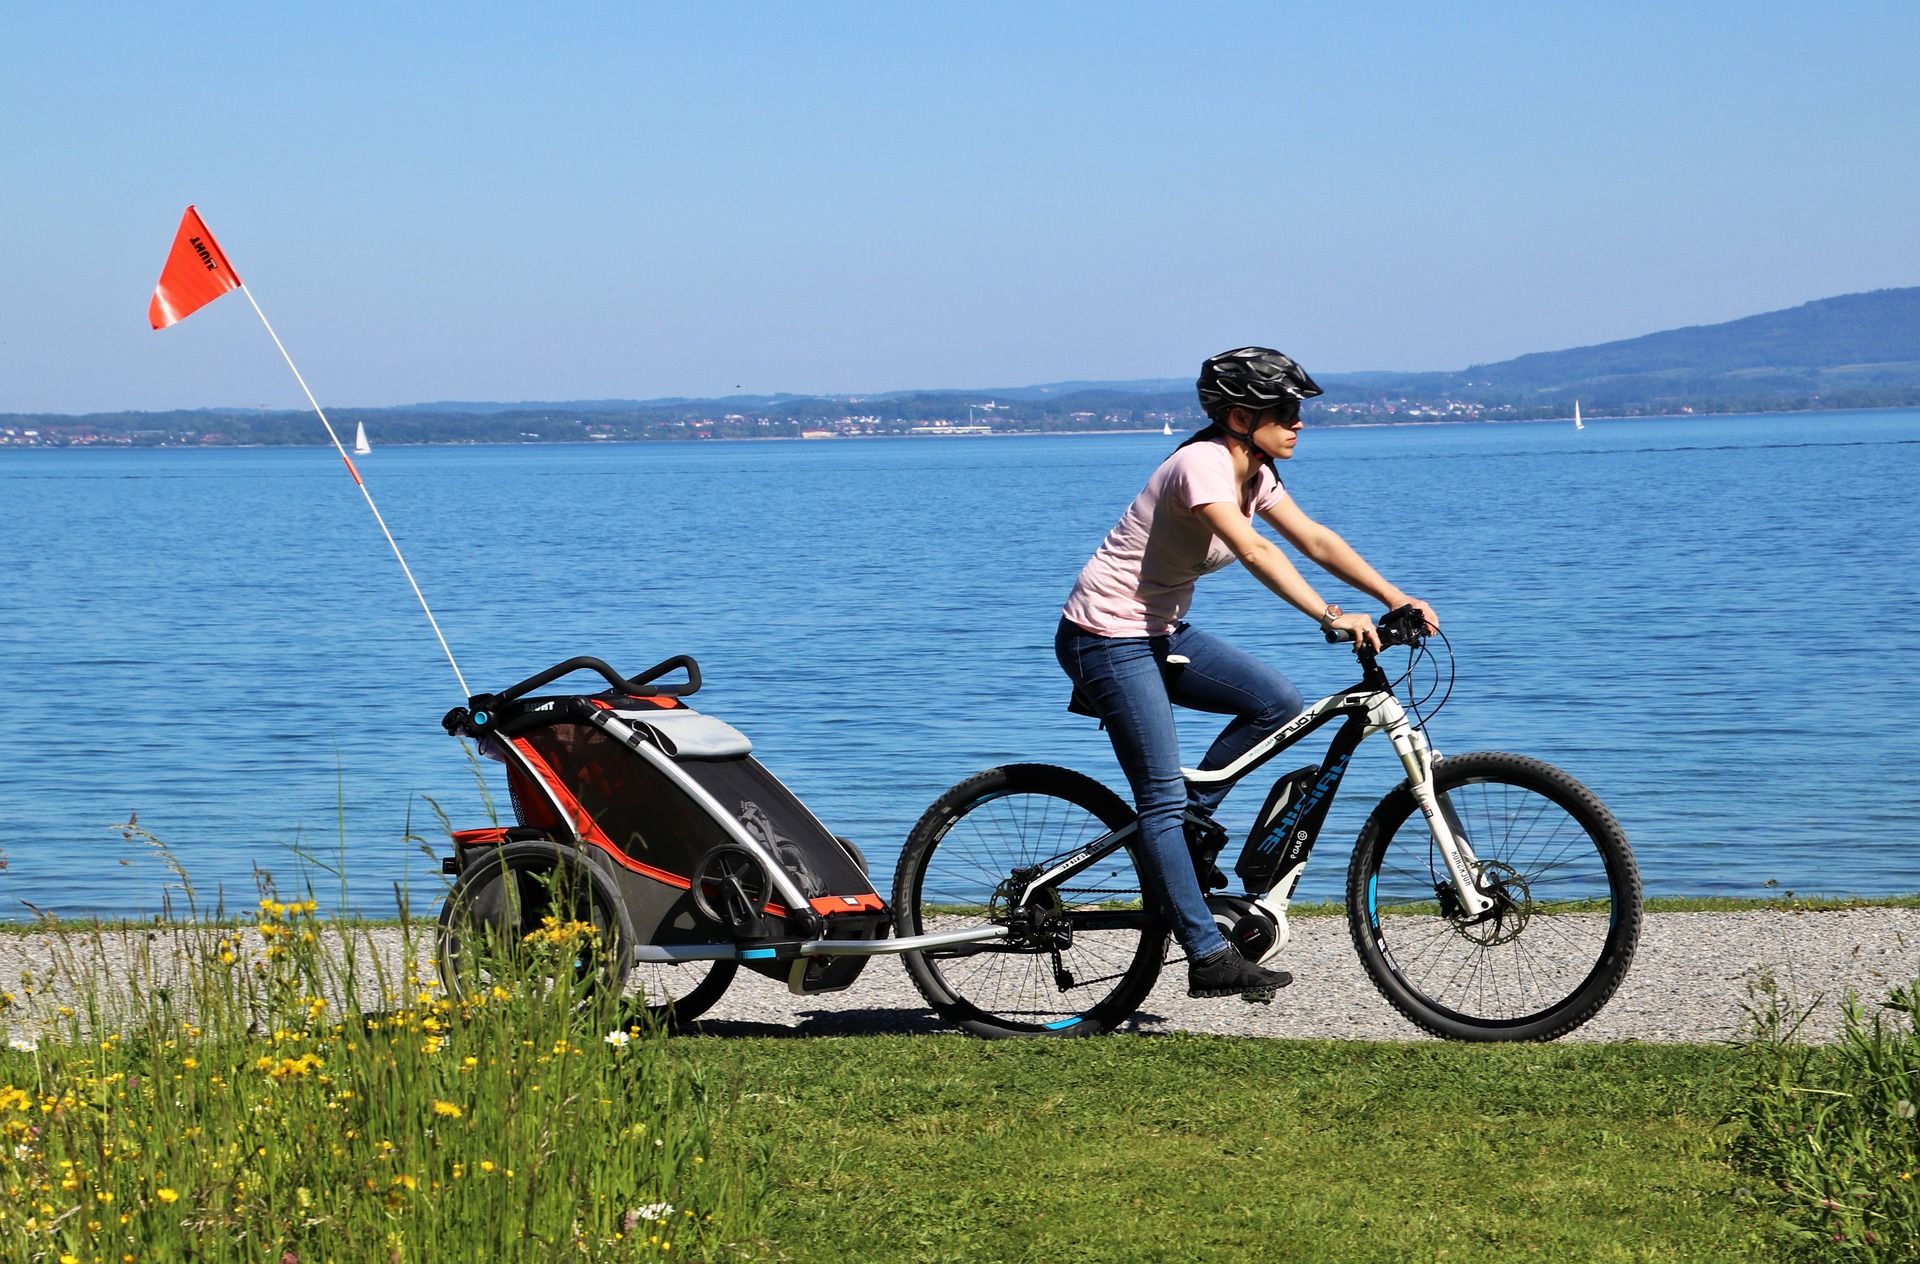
(1357, 627)
(1426, 612)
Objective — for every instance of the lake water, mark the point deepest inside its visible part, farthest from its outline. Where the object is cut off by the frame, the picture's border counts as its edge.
(1713, 622)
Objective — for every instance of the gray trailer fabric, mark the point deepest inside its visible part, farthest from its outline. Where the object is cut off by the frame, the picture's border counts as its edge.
(687, 734)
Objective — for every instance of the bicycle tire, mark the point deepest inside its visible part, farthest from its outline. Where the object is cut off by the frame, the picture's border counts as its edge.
(961, 851)
(1566, 872)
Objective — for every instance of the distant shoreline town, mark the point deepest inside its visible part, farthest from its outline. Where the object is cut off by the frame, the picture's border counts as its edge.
(743, 429)
(1853, 351)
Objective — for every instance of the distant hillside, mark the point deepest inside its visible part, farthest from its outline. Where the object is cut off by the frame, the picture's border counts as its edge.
(742, 403)
(1852, 351)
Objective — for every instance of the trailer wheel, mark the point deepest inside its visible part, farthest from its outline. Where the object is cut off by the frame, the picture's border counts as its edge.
(506, 893)
(508, 897)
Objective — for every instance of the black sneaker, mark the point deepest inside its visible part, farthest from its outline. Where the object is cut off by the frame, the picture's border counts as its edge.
(1227, 973)
(1206, 839)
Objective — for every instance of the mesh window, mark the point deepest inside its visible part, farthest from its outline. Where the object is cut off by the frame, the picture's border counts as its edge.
(636, 806)
(769, 812)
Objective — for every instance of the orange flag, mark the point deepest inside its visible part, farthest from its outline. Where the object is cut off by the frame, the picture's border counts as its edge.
(196, 274)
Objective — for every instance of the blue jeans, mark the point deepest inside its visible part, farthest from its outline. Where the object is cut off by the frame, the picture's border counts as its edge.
(1128, 681)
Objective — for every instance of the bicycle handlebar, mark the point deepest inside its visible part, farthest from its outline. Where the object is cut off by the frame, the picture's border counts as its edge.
(1402, 626)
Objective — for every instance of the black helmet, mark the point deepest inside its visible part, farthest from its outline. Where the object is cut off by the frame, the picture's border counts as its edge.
(1255, 378)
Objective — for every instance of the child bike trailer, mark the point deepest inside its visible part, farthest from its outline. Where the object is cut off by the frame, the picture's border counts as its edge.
(654, 825)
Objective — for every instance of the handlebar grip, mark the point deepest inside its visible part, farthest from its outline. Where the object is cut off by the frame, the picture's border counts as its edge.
(1402, 626)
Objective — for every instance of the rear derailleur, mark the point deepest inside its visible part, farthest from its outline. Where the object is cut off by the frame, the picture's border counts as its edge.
(1039, 926)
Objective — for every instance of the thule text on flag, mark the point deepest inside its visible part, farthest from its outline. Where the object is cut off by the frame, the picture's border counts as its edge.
(196, 274)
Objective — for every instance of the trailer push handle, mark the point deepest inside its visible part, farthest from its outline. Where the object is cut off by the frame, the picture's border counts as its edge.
(481, 704)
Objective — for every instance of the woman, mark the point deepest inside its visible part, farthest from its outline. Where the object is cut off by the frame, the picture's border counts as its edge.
(1130, 655)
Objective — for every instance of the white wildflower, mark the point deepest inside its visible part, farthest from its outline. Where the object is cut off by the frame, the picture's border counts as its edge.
(618, 1039)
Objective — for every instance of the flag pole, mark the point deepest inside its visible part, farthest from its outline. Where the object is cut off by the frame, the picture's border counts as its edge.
(358, 482)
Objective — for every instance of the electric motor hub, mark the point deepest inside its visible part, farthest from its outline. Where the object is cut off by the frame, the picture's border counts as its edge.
(1248, 927)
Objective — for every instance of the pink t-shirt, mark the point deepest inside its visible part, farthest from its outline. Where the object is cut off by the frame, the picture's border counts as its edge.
(1140, 580)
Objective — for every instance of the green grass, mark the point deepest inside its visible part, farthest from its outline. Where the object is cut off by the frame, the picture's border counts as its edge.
(1786, 902)
(1213, 1148)
(1831, 1134)
(271, 1101)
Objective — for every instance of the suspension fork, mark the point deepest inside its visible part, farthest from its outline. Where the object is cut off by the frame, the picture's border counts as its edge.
(1449, 835)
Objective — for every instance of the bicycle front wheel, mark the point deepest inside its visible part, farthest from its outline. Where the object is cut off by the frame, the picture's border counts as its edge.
(1079, 959)
(1566, 917)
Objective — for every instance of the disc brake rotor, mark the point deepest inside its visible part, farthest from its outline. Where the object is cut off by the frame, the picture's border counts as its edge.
(1512, 907)
(1040, 924)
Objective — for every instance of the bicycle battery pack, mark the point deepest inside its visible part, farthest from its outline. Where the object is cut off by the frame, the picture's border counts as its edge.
(1288, 822)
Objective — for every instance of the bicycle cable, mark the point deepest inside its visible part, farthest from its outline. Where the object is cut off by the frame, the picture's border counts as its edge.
(1424, 652)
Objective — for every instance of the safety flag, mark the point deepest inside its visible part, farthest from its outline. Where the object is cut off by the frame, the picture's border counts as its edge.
(196, 274)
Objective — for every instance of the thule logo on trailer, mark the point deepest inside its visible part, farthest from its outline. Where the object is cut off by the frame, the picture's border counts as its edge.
(206, 256)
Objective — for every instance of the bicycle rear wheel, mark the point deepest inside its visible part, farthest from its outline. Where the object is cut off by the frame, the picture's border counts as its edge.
(1567, 912)
(1080, 960)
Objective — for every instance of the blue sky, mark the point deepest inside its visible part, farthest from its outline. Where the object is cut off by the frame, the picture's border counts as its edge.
(493, 201)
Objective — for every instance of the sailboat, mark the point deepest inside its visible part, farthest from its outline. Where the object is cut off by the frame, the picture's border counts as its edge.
(1577, 423)
(1166, 428)
(360, 445)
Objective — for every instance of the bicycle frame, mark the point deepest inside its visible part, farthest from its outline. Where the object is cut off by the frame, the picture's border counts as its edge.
(1367, 708)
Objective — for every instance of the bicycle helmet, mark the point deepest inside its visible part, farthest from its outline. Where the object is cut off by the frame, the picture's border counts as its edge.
(1255, 378)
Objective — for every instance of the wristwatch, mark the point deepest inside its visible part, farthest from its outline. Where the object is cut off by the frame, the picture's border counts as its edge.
(1326, 620)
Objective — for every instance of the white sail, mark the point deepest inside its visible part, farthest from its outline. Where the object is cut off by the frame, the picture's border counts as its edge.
(360, 445)
(1166, 427)
(1577, 423)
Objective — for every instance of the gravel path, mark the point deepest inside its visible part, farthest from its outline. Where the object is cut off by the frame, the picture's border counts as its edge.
(1691, 981)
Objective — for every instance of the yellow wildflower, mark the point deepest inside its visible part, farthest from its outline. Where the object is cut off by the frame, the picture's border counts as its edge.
(167, 1194)
(447, 1109)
